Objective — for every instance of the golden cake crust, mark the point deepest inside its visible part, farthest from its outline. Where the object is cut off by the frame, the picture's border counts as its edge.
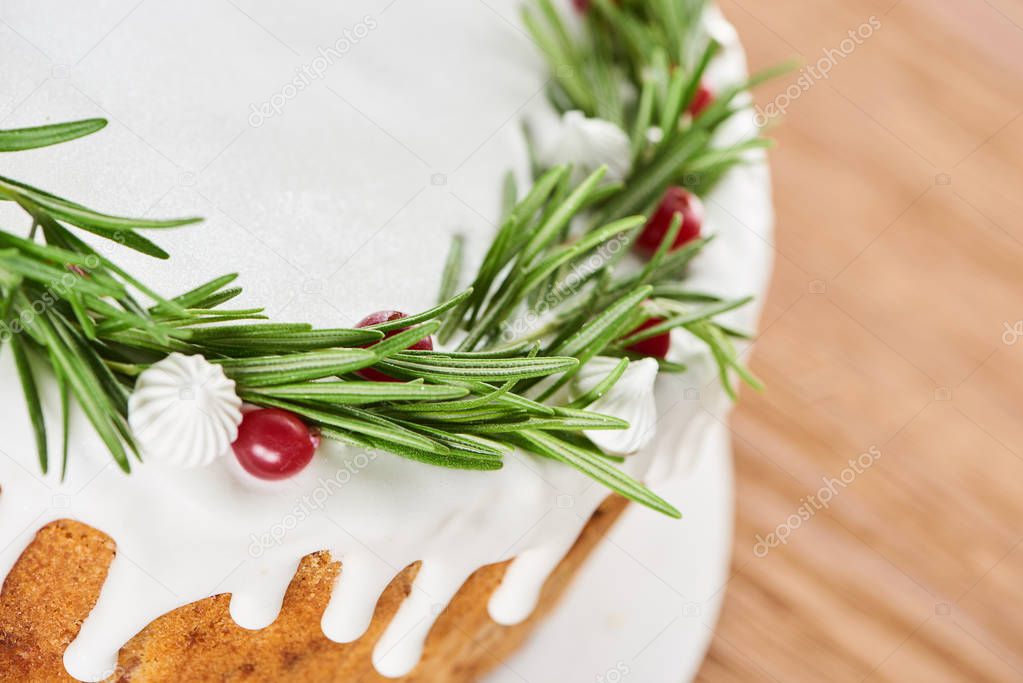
(56, 581)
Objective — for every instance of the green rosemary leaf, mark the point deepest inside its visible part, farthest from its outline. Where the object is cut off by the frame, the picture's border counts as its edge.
(272, 371)
(194, 297)
(721, 108)
(359, 393)
(255, 331)
(76, 214)
(55, 278)
(124, 236)
(165, 304)
(509, 196)
(380, 429)
(514, 350)
(31, 392)
(697, 75)
(662, 250)
(483, 369)
(644, 116)
(453, 459)
(54, 255)
(701, 313)
(590, 241)
(565, 43)
(725, 157)
(489, 395)
(602, 387)
(501, 251)
(462, 442)
(214, 300)
(680, 291)
(404, 339)
(114, 320)
(560, 217)
(96, 405)
(675, 262)
(560, 54)
(513, 400)
(595, 466)
(19, 139)
(593, 337)
(289, 342)
(430, 314)
(567, 421)
(734, 333)
(142, 340)
(452, 269)
(200, 316)
(673, 104)
(487, 414)
(64, 390)
(81, 315)
(649, 182)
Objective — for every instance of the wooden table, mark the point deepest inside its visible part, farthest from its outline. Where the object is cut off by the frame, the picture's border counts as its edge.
(893, 324)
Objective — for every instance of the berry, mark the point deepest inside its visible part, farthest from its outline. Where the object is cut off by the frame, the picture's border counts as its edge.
(654, 346)
(581, 6)
(701, 100)
(386, 317)
(675, 200)
(273, 444)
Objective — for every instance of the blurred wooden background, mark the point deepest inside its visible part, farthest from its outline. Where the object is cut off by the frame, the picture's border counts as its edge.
(892, 324)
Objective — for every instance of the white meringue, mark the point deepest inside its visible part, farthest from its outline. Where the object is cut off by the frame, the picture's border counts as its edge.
(588, 144)
(184, 411)
(630, 399)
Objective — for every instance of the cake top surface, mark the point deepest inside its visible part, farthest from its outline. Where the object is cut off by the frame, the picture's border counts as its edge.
(332, 149)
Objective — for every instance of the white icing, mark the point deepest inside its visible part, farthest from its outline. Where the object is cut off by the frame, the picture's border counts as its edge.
(326, 170)
(631, 399)
(184, 411)
(588, 144)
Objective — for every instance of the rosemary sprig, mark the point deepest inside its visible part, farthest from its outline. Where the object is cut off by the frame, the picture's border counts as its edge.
(65, 305)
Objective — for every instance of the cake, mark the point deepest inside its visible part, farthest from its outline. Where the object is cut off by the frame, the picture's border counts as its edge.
(332, 180)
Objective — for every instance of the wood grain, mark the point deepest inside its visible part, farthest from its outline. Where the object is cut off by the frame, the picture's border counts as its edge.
(899, 262)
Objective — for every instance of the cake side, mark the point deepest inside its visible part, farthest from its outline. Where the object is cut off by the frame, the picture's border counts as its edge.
(55, 583)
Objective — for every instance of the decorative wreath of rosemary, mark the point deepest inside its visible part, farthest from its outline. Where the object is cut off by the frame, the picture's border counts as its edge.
(66, 305)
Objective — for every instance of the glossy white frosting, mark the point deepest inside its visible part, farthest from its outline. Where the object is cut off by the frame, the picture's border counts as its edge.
(587, 144)
(632, 399)
(184, 412)
(341, 204)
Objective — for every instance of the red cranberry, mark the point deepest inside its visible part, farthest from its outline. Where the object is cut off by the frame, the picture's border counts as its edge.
(675, 200)
(701, 100)
(654, 346)
(386, 317)
(273, 444)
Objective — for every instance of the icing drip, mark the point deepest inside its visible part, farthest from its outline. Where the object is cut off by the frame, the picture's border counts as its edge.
(210, 530)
